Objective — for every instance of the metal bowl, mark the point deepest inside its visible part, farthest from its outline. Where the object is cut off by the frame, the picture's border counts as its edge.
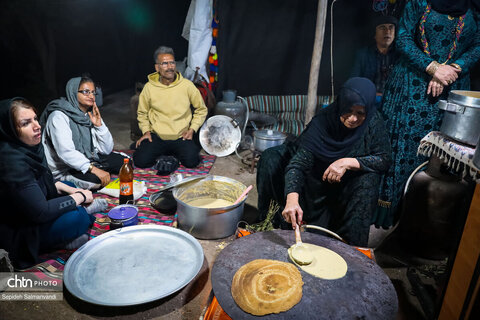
(163, 202)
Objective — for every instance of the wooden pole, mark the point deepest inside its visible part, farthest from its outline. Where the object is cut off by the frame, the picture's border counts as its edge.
(316, 58)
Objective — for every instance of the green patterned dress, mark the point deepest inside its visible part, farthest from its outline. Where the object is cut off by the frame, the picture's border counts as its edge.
(409, 112)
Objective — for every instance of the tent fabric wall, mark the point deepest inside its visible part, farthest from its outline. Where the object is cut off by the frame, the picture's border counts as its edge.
(263, 45)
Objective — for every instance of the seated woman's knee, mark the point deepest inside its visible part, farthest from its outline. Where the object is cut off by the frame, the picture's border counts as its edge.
(78, 221)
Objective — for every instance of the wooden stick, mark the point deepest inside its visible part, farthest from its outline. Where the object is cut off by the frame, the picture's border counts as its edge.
(316, 58)
(244, 193)
(298, 238)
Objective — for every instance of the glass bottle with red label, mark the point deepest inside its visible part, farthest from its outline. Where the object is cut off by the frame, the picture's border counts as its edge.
(126, 182)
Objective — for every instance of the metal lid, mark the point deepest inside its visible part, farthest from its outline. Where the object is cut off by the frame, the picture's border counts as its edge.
(269, 134)
(179, 182)
(220, 135)
(122, 212)
(465, 98)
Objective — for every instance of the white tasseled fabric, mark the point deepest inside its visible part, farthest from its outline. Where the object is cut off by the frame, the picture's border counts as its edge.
(455, 155)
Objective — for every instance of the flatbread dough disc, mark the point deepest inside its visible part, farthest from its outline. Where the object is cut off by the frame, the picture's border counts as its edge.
(326, 264)
(264, 286)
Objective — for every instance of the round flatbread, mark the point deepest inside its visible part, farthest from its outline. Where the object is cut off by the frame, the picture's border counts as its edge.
(264, 286)
(326, 264)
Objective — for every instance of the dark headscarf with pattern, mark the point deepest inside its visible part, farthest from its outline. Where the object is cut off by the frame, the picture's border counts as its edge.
(326, 136)
(454, 7)
(20, 163)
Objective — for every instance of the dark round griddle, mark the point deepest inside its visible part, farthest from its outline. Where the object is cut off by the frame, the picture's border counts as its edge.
(365, 292)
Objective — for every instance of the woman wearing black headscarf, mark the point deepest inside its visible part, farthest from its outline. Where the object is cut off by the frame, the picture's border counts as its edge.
(330, 175)
(40, 218)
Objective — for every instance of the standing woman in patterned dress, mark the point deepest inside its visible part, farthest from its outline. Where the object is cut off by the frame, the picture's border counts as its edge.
(439, 43)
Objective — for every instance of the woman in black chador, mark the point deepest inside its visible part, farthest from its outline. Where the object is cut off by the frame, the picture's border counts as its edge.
(330, 176)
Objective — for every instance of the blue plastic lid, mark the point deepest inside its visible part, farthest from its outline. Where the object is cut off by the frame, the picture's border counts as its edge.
(122, 212)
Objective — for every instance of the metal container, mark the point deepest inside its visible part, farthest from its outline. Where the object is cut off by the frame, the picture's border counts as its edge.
(123, 216)
(264, 139)
(233, 106)
(461, 120)
(163, 202)
(210, 223)
(133, 266)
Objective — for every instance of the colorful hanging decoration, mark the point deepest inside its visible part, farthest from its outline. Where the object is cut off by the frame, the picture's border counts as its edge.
(213, 56)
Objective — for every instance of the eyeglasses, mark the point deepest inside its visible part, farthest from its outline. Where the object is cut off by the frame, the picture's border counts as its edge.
(167, 63)
(87, 92)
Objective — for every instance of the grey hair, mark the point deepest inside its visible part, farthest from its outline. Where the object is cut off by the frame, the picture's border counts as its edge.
(162, 50)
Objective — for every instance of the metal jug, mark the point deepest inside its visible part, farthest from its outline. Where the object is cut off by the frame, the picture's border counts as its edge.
(235, 107)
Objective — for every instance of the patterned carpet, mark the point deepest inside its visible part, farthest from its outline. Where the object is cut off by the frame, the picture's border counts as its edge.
(147, 214)
(54, 262)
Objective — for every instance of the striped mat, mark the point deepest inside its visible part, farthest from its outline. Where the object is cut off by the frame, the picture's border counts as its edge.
(289, 110)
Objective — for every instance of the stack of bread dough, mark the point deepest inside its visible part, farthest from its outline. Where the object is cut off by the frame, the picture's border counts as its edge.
(266, 286)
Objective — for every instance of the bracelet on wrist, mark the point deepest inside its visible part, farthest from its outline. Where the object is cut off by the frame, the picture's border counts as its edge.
(84, 197)
(432, 68)
(456, 66)
(90, 167)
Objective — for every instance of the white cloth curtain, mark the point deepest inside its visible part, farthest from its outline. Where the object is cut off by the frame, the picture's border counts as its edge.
(198, 32)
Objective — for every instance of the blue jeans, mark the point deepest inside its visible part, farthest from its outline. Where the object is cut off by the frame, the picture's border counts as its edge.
(65, 228)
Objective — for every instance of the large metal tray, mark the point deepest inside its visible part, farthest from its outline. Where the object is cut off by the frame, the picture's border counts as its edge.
(133, 265)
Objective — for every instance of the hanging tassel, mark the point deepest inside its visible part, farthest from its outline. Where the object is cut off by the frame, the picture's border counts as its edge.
(384, 204)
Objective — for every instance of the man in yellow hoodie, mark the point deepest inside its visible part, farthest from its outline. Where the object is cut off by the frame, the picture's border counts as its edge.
(165, 117)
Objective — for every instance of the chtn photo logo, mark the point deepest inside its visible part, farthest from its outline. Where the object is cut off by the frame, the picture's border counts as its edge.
(19, 282)
(26, 281)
